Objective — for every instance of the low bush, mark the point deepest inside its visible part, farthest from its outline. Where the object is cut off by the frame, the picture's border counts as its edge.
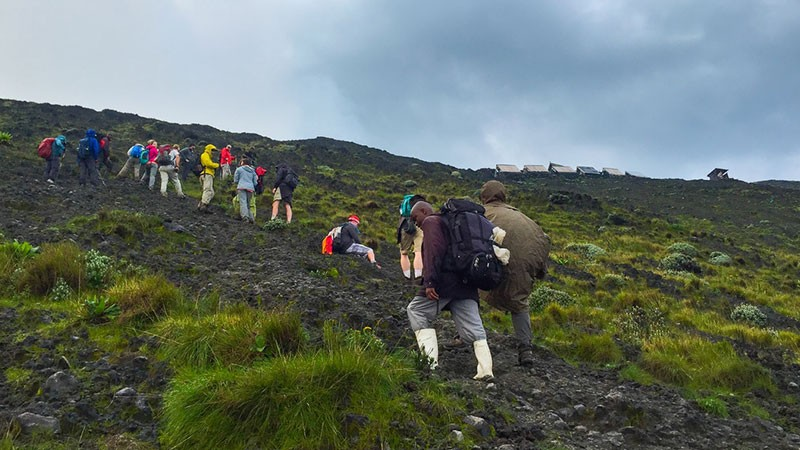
(611, 281)
(144, 299)
(693, 362)
(679, 262)
(684, 248)
(56, 261)
(637, 324)
(586, 250)
(275, 225)
(345, 396)
(410, 184)
(720, 259)
(98, 268)
(237, 336)
(543, 295)
(745, 312)
(61, 291)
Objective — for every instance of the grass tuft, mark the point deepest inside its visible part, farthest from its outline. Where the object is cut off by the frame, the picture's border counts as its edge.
(56, 261)
(144, 299)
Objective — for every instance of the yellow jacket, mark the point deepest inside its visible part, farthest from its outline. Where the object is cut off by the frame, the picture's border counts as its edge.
(205, 160)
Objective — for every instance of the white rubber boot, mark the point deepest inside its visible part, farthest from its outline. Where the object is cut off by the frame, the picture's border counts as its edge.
(428, 345)
(484, 357)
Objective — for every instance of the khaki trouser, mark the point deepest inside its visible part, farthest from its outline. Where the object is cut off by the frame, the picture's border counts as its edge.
(131, 163)
(208, 188)
(168, 173)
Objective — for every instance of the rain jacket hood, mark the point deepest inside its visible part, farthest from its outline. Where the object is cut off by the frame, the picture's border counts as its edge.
(493, 191)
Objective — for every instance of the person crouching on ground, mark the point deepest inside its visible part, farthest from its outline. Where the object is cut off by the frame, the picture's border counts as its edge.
(245, 179)
(442, 290)
(350, 243)
(207, 177)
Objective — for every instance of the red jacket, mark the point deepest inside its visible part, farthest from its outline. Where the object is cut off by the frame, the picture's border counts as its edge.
(225, 156)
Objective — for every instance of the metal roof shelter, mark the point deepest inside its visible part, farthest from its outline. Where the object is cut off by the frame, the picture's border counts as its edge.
(534, 168)
(612, 172)
(587, 170)
(635, 174)
(507, 168)
(718, 174)
(560, 169)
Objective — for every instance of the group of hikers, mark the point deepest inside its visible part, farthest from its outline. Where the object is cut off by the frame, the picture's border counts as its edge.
(493, 249)
(464, 253)
(173, 164)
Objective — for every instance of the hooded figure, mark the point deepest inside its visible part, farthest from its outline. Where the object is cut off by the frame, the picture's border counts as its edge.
(529, 247)
(88, 152)
(207, 177)
(53, 163)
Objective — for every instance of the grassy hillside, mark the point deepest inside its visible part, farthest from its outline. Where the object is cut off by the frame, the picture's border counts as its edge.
(686, 286)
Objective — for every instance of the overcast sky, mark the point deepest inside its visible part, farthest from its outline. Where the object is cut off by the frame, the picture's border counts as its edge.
(668, 88)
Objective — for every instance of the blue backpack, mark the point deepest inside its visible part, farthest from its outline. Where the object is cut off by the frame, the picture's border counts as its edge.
(83, 148)
(405, 205)
(135, 151)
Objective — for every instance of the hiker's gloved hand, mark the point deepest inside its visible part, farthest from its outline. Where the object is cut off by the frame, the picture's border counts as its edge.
(431, 294)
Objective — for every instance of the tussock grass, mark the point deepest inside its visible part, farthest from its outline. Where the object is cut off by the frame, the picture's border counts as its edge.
(344, 396)
(144, 299)
(693, 362)
(62, 260)
(236, 336)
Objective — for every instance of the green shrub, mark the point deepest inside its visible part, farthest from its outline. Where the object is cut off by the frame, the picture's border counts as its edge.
(56, 261)
(305, 401)
(612, 281)
(720, 259)
(99, 308)
(693, 362)
(19, 250)
(745, 312)
(678, 262)
(684, 248)
(588, 251)
(598, 349)
(5, 138)
(326, 171)
(637, 324)
(714, 406)
(61, 291)
(455, 174)
(98, 268)
(237, 336)
(410, 184)
(144, 299)
(543, 295)
(275, 225)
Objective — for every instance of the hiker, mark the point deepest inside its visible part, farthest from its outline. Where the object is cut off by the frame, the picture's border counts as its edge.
(168, 161)
(442, 289)
(246, 180)
(105, 150)
(225, 160)
(529, 247)
(207, 177)
(53, 163)
(187, 161)
(88, 152)
(151, 167)
(349, 242)
(285, 182)
(134, 153)
(409, 238)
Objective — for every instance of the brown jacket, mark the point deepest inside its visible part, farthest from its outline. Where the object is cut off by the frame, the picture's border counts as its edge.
(528, 244)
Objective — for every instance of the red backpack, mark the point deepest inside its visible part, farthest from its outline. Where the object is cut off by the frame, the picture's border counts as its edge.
(45, 148)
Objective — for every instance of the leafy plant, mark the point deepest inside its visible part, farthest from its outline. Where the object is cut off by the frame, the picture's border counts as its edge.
(100, 308)
(586, 250)
(745, 312)
(19, 250)
(679, 262)
(98, 267)
(61, 291)
(720, 259)
(683, 248)
(275, 225)
(543, 295)
(5, 138)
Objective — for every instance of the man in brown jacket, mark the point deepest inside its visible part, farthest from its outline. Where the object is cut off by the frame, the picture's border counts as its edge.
(529, 247)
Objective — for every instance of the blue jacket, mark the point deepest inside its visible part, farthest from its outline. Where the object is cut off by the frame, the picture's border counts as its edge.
(94, 146)
(245, 178)
(59, 147)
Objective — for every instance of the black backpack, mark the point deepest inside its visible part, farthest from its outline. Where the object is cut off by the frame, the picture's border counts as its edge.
(291, 179)
(470, 253)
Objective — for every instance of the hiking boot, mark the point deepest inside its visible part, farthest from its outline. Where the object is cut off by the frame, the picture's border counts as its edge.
(456, 342)
(525, 357)
(50, 180)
